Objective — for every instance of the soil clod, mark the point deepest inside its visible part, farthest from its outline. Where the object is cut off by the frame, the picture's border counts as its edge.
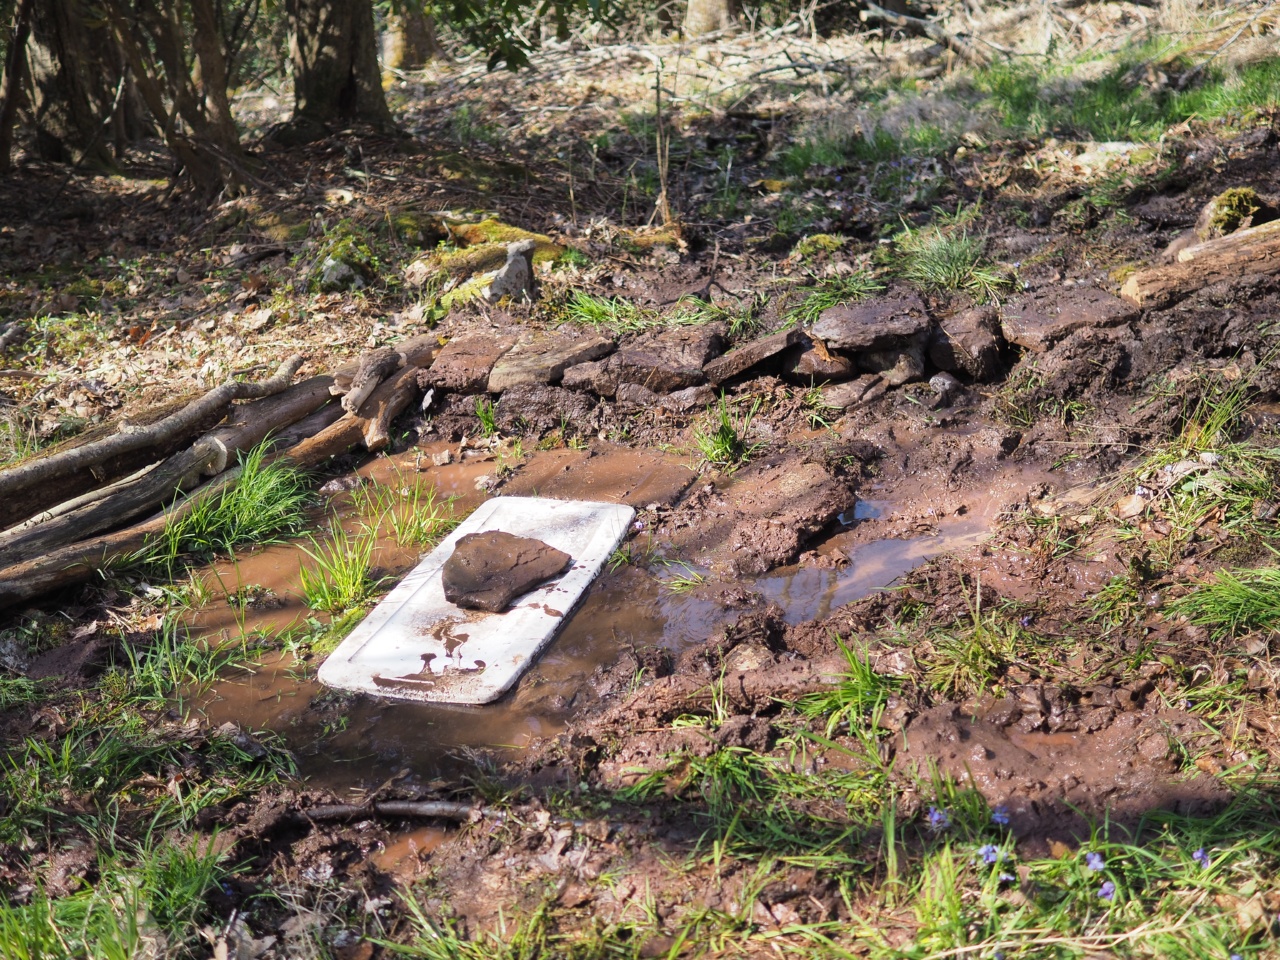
(488, 570)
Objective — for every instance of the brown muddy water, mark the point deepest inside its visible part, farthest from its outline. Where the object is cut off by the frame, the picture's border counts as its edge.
(349, 742)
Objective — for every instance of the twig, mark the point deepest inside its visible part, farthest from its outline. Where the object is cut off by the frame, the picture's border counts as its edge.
(925, 28)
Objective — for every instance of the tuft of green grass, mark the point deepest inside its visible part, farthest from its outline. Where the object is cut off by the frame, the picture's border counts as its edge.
(415, 513)
(340, 579)
(266, 501)
(618, 316)
(487, 416)
(834, 292)
(725, 446)
(686, 581)
(938, 259)
(1234, 600)
(859, 696)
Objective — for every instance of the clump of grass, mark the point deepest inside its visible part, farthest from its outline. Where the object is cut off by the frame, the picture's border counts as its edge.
(1234, 600)
(487, 415)
(619, 317)
(340, 579)
(860, 694)
(938, 259)
(416, 514)
(968, 657)
(725, 446)
(833, 292)
(265, 502)
(684, 581)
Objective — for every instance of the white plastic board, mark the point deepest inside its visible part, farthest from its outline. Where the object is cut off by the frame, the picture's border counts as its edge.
(416, 645)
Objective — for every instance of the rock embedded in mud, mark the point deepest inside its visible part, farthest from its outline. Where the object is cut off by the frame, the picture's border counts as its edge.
(1038, 320)
(486, 571)
(855, 393)
(464, 364)
(690, 398)
(808, 363)
(895, 367)
(744, 358)
(895, 320)
(969, 343)
(668, 361)
(543, 359)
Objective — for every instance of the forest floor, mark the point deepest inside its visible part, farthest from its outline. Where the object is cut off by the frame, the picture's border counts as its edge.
(890, 665)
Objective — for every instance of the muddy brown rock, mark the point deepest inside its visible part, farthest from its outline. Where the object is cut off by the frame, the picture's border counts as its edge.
(969, 343)
(809, 363)
(895, 366)
(464, 364)
(739, 361)
(855, 393)
(893, 320)
(668, 361)
(543, 359)
(1038, 320)
(486, 571)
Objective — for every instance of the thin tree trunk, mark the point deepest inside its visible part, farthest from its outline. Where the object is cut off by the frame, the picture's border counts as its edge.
(15, 63)
(702, 17)
(410, 39)
(336, 78)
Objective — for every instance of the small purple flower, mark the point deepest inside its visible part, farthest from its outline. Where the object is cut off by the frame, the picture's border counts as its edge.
(1201, 858)
(1235, 956)
(939, 819)
(1107, 891)
(638, 526)
(1000, 816)
(1025, 620)
(1094, 861)
(1006, 878)
(989, 853)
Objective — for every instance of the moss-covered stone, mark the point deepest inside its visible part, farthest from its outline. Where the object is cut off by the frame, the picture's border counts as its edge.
(345, 262)
(492, 231)
(1228, 212)
(417, 228)
(816, 245)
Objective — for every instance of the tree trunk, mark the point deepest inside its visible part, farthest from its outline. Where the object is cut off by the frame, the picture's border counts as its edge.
(73, 83)
(15, 64)
(336, 78)
(1254, 251)
(409, 42)
(702, 17)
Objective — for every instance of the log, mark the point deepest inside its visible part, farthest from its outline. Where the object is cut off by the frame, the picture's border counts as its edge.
(374, 368)
(1251, 252)
(77, 562)
(249, 426)
(377, 421)
(417, 351)
(28, 476)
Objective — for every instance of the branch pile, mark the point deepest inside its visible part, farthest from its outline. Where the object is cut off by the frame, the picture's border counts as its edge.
(71, 513)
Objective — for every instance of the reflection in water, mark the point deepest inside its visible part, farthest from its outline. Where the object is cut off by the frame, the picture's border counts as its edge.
(807, 593)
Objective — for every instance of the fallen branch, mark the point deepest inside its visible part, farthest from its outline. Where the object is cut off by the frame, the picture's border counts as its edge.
(924, 28)
(28, 475)
(1251, 252)
(209, 455)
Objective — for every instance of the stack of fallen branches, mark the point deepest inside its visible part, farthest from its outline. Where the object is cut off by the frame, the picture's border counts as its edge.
(66, 515)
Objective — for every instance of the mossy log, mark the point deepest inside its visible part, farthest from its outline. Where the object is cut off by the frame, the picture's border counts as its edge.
(1251, 252)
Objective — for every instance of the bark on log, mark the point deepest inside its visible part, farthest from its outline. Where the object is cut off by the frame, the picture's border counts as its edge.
(207, 456)
(78, 562)
(377, 429)
(374, 368)
(1251, 252)
(28, 475)
(415, 352)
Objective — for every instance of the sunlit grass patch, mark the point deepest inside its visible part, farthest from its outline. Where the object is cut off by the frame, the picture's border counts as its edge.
(341, 578)
(1234, 600)
(833, 292)
(947, 259)
(265, 502)
(618, 316)
(859, 695)
(413, 511)
(725, 444)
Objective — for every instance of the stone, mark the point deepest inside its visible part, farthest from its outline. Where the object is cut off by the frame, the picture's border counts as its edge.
(514, 279)
(592, 375)
(946, 387)
(969, 343)
(632, 394)
(690, 398)
(811, 363)
(543, 359)
(895, 366)
(1127, 508)
(670, 360)
(464, 364)
(888, 321)
(486, 571)
(855, 393)
(1036, 321)
(539, 408)
(739, 361)
(334, 274)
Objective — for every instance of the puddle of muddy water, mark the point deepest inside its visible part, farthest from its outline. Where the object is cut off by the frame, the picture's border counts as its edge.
(366, 739)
